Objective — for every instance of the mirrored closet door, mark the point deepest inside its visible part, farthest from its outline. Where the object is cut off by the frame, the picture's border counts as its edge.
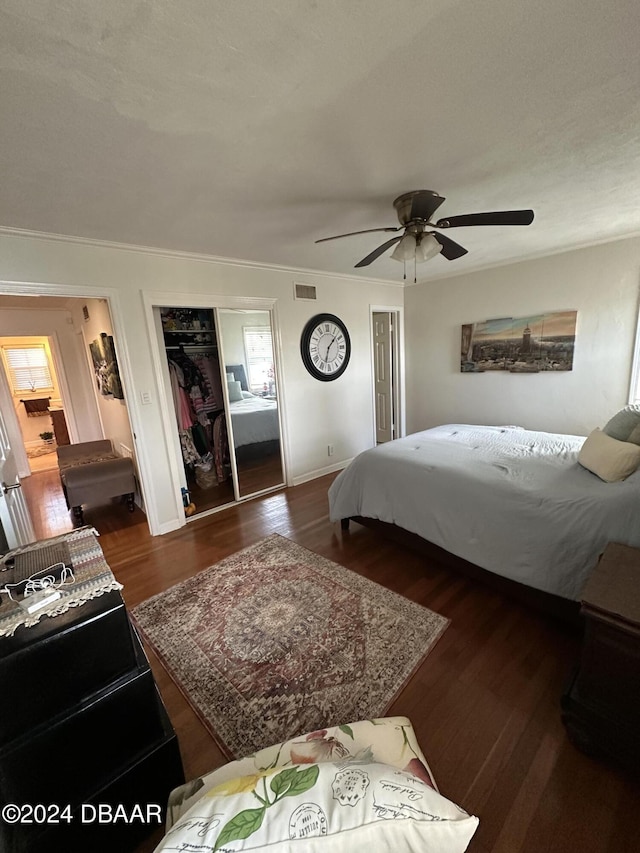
(254, 418)
(222, 382)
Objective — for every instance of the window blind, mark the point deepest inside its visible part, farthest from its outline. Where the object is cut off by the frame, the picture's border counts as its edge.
(258, 349)
(29, 368)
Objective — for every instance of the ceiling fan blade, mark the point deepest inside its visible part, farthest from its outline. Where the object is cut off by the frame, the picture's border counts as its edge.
(353, 233)
(498, 217)
(450, 249)
(377, 252)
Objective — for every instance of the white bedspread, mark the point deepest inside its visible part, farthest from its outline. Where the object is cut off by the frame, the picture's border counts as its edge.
(512, 501)
(254, 419)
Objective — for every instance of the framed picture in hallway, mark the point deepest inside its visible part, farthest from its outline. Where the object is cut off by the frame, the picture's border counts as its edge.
(105, 365)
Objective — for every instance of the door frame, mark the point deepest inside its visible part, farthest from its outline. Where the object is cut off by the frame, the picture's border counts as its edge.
(397, 367)
(11, 438)
(22, 288)
(160, 299)
(24, 469)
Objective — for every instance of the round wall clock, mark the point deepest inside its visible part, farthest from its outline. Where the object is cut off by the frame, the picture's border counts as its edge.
(325, 347)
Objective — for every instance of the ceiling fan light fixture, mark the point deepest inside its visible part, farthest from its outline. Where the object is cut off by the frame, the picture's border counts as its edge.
(406, 249)
(427, 248)
(419, 248)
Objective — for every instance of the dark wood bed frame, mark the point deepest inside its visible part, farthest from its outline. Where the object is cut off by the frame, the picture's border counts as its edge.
(559, 608)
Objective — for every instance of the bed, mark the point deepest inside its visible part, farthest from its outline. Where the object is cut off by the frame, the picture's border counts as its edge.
(254, 420)
(511, 501)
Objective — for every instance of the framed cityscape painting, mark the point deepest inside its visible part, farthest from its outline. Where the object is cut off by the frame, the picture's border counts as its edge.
(533, 344)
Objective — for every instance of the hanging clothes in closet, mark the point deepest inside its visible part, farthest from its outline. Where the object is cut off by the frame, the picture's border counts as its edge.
(197, 397)
(209, 398)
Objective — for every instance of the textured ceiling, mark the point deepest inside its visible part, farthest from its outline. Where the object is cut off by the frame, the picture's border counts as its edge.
(250, 129)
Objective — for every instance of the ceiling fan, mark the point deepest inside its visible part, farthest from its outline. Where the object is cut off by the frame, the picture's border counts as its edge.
(418, 243)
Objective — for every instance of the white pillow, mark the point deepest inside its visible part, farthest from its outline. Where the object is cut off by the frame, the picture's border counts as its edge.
(235, 391)
(345, 807)
(608, 458)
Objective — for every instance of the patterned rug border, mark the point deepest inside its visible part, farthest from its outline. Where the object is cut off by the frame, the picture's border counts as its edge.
(363, 584)
(222, 746)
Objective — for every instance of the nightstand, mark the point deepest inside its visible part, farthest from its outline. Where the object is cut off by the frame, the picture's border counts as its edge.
(601, 706)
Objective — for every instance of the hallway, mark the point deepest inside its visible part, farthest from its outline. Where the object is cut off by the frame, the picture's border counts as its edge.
(44, 461)
(50, 516)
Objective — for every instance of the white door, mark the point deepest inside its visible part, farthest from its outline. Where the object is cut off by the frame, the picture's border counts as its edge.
(382, 376)
(14, 515)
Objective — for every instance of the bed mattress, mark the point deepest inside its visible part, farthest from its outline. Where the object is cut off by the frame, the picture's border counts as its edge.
(254, 419)
(512, 501)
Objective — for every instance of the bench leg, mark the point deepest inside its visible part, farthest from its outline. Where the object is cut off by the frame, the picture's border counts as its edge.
(344, 523)
(77, 514)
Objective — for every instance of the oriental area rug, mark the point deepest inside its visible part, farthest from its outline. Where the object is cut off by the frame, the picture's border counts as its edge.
(276, 641)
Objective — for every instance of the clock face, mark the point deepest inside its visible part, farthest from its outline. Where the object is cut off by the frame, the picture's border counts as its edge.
(325, 347)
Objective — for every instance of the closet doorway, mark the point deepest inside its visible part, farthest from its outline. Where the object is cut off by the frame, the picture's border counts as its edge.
(221, 383)
(386, 331)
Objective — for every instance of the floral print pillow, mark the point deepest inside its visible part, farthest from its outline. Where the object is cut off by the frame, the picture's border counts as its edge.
(388, 740)
(361, 805)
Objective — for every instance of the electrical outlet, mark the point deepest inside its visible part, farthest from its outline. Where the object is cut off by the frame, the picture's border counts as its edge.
(330, 450)
(145, 398)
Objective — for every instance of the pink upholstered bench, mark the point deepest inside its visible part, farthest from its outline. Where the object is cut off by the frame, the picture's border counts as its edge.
(91, 471)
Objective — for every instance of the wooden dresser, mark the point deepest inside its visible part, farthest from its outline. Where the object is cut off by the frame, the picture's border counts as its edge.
(59, 424)
(601, 706)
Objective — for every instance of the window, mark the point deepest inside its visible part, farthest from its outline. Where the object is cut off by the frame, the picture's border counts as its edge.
(258, 349)
(28, 368)
(634, 389)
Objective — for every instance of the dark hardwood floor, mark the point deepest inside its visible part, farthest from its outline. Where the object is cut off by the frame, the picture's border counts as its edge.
(485, 704)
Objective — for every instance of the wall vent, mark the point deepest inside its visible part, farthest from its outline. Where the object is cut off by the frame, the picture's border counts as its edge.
(304, 291)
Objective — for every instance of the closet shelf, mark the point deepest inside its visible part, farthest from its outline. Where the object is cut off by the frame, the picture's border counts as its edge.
(193, 347)
(187, 331)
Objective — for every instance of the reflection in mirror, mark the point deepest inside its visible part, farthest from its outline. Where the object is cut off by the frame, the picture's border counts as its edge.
(253, 398)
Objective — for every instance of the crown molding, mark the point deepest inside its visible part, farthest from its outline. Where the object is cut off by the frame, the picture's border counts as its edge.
(534, 256)
(174, 254)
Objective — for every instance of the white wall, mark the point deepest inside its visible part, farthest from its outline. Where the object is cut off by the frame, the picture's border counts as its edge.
(113, 413)
(316, 413)
(57, 324)
(600, 282)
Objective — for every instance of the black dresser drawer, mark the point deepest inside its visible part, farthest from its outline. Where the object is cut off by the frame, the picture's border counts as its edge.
(144, 784)
(62, 661)
(116, 727)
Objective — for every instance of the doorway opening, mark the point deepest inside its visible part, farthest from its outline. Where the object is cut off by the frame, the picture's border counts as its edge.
(37, 398)
(386, 350)
(56, 355)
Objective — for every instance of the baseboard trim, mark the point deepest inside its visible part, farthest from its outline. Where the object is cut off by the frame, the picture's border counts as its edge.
(320, 472)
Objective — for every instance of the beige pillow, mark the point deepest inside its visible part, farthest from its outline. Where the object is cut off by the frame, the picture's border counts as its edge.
(608, 458)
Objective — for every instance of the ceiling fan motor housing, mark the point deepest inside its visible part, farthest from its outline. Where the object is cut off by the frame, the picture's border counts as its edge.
(417, 204)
